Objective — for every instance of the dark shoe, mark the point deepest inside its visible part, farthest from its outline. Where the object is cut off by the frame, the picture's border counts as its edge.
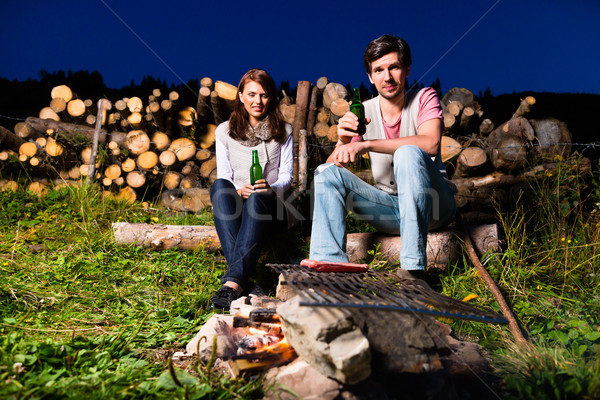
(223, 298)
(254, 290)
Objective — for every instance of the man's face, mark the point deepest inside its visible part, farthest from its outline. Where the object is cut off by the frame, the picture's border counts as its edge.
(389, 76)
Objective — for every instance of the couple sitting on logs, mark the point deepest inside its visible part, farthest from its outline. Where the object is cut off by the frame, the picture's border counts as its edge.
(403, 133)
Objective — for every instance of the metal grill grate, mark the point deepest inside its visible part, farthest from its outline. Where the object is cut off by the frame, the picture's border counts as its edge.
(378, 290)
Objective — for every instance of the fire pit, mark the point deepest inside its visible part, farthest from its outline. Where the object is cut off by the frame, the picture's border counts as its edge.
(377, 290)
(349, 329)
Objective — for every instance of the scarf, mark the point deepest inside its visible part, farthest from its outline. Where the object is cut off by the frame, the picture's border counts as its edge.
(260, 133)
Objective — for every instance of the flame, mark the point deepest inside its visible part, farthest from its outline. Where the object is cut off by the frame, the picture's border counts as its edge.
(256, 331)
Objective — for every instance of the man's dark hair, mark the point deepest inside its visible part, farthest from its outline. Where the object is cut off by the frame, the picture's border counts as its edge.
(384, 45)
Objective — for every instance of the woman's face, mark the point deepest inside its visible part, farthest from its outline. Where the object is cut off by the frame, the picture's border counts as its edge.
(255, 101)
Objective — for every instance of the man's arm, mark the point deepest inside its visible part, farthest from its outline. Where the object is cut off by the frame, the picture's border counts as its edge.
(428, 138)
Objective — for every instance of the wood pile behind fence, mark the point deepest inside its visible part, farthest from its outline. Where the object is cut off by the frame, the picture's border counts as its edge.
(157, 147)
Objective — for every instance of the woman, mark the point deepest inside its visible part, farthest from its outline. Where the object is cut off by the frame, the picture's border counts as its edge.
(245, 214)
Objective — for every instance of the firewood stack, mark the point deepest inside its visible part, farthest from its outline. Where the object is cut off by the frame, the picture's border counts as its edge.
(489, 164)
(160, 146)
(144, 144)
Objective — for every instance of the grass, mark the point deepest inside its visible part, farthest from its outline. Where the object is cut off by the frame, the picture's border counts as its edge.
(83, 316)
(549, 272)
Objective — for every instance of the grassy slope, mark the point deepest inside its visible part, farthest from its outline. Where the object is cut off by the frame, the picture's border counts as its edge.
(80, 315)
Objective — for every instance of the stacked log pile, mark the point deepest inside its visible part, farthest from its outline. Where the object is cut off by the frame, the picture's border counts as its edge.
(162, 147)
(489, 164)
(143, 144)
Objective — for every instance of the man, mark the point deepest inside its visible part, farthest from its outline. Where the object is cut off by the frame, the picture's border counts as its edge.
(411, 193)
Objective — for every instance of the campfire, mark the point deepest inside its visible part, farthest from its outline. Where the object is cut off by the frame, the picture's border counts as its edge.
(347, 329)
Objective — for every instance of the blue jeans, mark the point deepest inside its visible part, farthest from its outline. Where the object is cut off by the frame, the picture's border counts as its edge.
(243, 226)
(424, 201)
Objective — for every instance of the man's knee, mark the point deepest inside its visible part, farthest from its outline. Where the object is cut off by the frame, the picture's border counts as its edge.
(409, 156)
(329, 176)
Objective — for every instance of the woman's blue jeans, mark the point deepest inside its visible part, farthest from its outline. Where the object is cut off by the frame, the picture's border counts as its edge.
(424, 201)
(243, 226)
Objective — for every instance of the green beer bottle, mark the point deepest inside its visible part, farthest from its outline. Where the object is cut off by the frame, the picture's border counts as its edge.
(255, 168)
(359, 110)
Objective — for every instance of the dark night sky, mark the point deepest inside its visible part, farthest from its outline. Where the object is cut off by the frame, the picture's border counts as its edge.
(506, 45)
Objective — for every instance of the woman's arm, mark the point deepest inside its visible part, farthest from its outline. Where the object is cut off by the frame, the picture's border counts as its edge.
(286, 167)
(224, 170)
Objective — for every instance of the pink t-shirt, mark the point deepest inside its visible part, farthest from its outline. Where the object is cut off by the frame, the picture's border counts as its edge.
(429, 108)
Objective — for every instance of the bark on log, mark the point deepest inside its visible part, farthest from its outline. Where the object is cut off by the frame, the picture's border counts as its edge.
(442, 246)
(206, 138)
(553, 136)
(510, 154)
(9, 140)
(215, 103)
(519, 127)
(103, 106)
(208, 167)
(462, 95)
(165, 237)
(486, 127)
(303, 146)
(524, 106)
(468, 120)
(302, 95)
(449, 122)
(25, 131)
(203, 105)
(67, 130)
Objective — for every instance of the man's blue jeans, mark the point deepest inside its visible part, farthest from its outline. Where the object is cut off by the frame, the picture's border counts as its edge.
(424, 201)
(243, 226)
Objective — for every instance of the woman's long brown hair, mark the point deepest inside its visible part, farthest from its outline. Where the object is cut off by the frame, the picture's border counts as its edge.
(239, 120)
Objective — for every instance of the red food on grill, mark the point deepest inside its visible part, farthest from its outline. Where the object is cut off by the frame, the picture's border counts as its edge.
(332, 266)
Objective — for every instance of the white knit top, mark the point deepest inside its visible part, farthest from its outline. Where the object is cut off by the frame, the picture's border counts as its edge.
(234, 160)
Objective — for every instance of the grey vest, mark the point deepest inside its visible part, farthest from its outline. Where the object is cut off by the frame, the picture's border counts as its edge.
(382, 165)
(240, 156)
